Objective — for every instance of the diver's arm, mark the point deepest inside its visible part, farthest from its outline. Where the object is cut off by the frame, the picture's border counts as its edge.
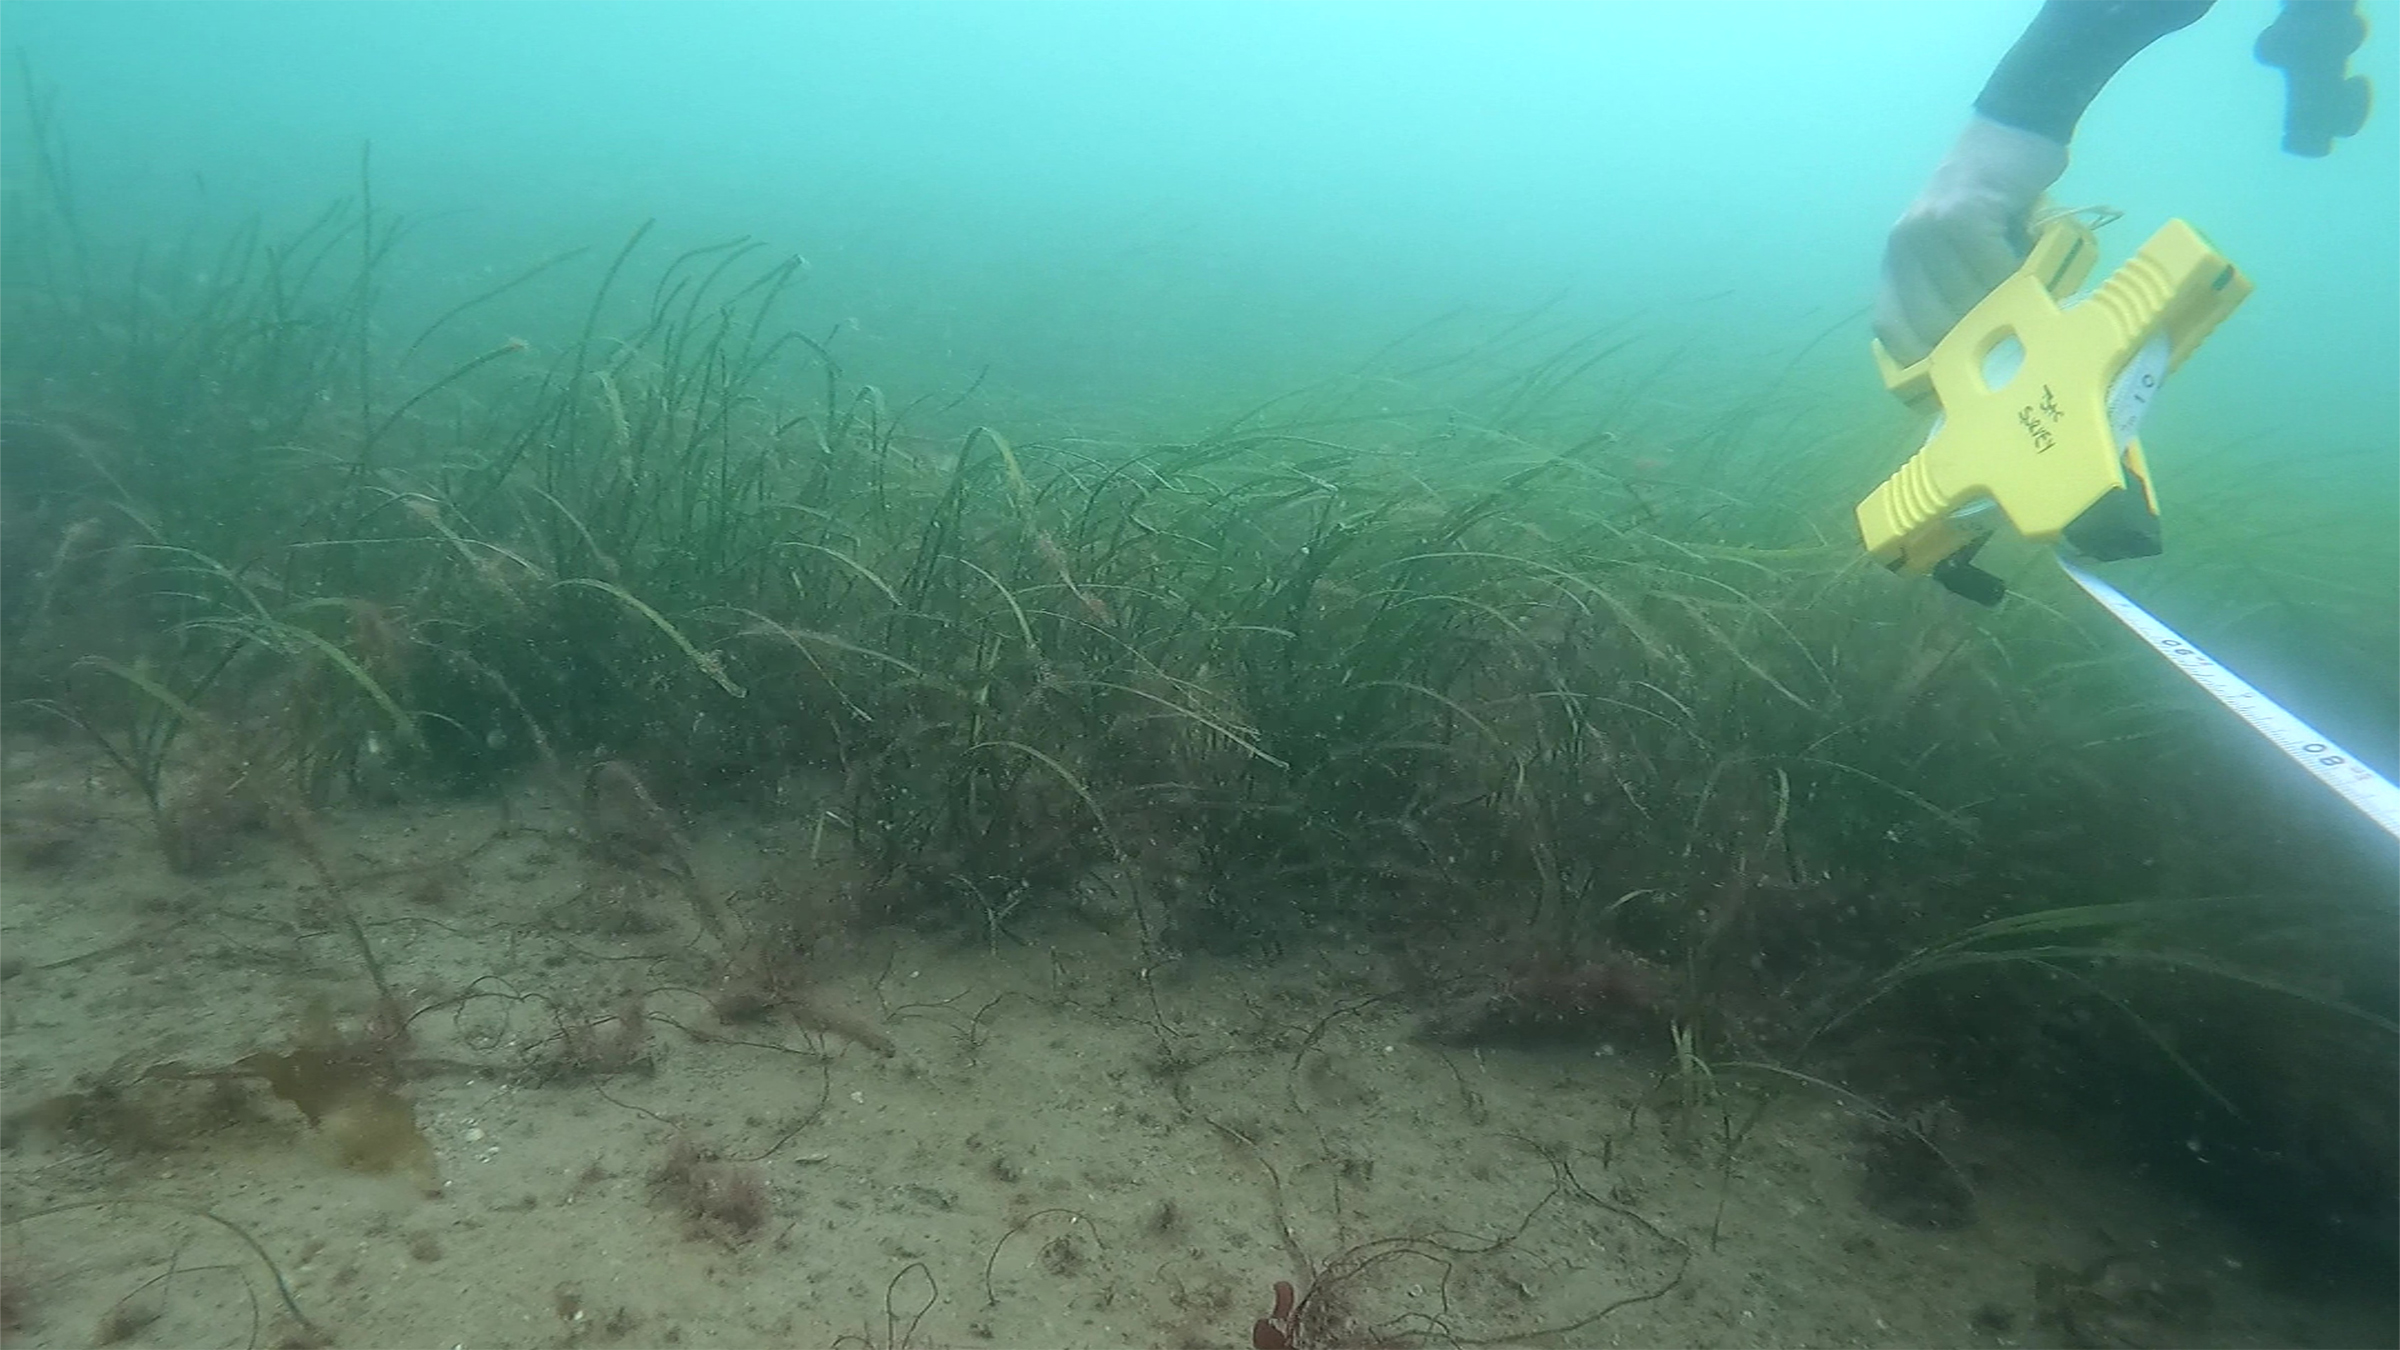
(1965, 232)
(2068, 53)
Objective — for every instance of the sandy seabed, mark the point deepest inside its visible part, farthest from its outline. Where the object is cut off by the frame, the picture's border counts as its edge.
(1068, 1145)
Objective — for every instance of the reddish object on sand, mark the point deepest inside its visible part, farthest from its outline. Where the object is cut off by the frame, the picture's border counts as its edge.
(1274, 1331)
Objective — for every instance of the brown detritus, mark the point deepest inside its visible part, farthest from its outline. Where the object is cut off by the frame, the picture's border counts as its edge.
(613, 903)
(1174, 1065)
(437, 886)
(1325, 1315)
(2122, 1299)
(46, 830)
(684, 1159)
(598, 1049)
(576, 1317)
(67, 574)
(752, 986)
(737, 1200)
(814, 1014)
(348, 1089)
(425, 1247)
(228, 1102)
(383, 643)
(386, 1030)
(125, 1319)
(628, 1040)
(131, 1109)
(771, 976)
(16, 1305)
(204, 825)
(1063, 1256)
(1166, 1221)
(1083, 1226)
(1328, 1314)
(1907, 1178)
(624, 824)
(103, 1110)
(625, 827)
(1545, 999)
(718, 1199)
(303, 1336)
(1323, 1308)
(301, 1333)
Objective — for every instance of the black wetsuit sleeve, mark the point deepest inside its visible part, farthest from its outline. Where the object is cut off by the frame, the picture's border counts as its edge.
(2068, 52)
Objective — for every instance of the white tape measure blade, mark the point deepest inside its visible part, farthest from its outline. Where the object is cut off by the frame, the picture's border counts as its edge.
(2361, 786)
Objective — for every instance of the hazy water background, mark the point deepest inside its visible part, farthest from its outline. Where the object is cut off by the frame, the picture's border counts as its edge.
(1155, 208)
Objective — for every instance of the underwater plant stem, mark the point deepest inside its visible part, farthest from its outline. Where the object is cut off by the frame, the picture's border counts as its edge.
(283, 1288)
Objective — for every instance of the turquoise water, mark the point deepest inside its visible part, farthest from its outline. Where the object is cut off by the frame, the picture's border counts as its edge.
(1114, 225)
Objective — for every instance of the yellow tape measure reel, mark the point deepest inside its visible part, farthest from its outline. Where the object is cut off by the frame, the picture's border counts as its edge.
(2023, 387)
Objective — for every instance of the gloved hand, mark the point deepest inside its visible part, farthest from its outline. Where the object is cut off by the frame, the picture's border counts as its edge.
(1963, 235)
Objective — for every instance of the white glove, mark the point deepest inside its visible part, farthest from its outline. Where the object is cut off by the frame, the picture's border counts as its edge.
(1963, 235)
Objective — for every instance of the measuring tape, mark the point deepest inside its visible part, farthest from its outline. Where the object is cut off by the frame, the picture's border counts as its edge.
(2129, 398)
(2336, 768)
